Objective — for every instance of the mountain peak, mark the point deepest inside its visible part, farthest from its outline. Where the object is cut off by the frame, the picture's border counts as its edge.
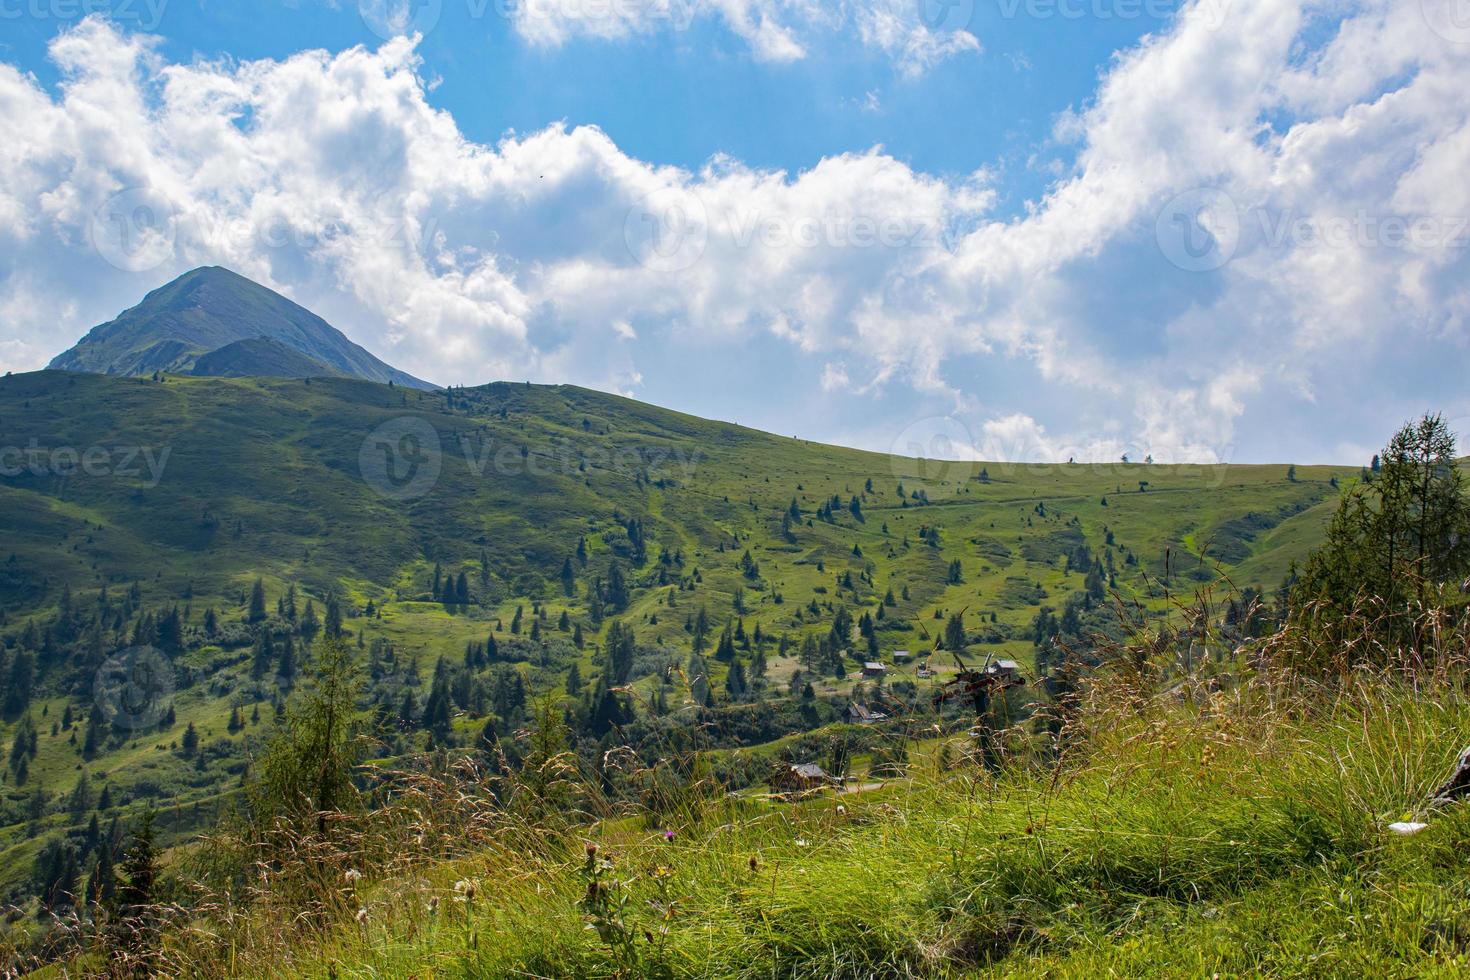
(206, 310)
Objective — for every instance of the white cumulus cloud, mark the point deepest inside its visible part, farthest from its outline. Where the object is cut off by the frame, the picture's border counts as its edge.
(1105, 318)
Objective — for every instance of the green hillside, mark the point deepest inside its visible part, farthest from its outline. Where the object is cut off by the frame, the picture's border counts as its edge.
(557, 514)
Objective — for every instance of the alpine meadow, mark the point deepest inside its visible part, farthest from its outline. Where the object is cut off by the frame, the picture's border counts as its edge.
(1101, 609)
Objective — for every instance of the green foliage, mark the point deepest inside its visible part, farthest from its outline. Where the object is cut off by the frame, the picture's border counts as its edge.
(134, 936)
(306, 771)
(1393, 540)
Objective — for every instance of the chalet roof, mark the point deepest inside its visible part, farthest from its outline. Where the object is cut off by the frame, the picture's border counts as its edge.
(808, 770)
(863, 713)
(873, 665)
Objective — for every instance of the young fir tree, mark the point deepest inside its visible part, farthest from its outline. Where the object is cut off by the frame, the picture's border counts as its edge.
(305, 773)
(134, 937)
(1395, 540)
(256, 611)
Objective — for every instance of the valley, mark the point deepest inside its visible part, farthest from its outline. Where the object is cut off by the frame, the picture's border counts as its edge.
(555, 518)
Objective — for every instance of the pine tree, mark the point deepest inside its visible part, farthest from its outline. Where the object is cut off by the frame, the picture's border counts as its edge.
(135, 935)
(607, 710)
(568, 577)
(257, 601)
(332, 619)
(616, 592)
(619, 653)
(1397, 537)
(701, 630)
(102, 883)
(264, 654)
(80, 800)
(309, 624)
(286, 668)
(306, 771)
(735, 681)
(725, 649)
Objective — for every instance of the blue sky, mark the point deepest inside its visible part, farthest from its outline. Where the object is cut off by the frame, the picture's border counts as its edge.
(682, 96)
(1026, 229)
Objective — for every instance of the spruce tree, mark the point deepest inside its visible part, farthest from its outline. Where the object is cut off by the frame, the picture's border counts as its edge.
(257, 601)
(135, 934)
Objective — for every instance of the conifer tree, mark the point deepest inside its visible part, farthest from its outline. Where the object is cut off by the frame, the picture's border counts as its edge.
(256, 612)
(135, 934)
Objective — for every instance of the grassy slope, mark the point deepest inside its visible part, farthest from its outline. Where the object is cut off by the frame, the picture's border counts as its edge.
(1244, 839)
(262, 479)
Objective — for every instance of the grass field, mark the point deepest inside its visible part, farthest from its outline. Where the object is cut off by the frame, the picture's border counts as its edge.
(1244, 835)
(244, 478)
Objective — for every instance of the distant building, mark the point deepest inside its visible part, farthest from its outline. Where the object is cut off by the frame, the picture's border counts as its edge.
(799, 779)
(872, 668)
(860, 714)
(901, 656)
(1006, 669)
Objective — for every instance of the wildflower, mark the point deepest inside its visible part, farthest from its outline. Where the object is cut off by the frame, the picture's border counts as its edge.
(841, 810)
(433, 906)
(754, 863)
(464, 890)
(352, 875)
(362, 916)
(669, 835)
(663, 871)
(591, 849)
(802, 842)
